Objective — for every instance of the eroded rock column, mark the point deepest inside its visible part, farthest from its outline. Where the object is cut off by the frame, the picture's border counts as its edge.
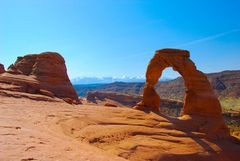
(151, 100)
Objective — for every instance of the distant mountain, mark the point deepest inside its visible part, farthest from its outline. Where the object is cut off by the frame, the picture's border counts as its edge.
(101, 80)
(121, 87)
(225, 84)
(104, 80)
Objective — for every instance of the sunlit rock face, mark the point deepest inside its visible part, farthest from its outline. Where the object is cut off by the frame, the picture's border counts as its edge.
(43, 73)
(200, 99)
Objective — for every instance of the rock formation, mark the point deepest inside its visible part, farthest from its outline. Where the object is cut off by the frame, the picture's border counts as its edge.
(43, 73)
(200, 100)
(2, 70)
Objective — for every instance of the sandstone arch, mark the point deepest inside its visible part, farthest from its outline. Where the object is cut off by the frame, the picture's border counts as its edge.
(199, 98)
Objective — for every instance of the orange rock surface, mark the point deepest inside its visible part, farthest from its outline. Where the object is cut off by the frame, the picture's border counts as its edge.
(43, 73)
(200, 100)
(108, 104)
(44, 130)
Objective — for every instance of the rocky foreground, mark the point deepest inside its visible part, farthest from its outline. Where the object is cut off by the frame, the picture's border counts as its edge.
(56, 130)
(31, 130)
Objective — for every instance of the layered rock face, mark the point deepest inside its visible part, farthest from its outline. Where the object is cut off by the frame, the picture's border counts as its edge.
(200, 99)
(43, 73)
(2, 70)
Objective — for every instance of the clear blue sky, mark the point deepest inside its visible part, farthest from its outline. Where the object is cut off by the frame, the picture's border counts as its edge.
(118, 37)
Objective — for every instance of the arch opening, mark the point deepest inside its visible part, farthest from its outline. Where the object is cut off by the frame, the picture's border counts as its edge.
(171, 90)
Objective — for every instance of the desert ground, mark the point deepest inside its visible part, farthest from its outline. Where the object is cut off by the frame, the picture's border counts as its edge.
(56, 130)
(31, 130)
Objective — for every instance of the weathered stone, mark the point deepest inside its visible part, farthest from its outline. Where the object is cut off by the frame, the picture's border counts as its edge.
(45, 71)
(200, 99)
(108, 104)
(46, 93)
(12, 69)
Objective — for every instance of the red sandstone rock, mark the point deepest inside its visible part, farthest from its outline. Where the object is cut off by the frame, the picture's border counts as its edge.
(108, 104)
(2, 70)
(46, 93)
(200, 99)
(43, 73)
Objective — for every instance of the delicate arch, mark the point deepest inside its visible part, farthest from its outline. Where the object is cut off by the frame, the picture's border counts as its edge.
(199, 98)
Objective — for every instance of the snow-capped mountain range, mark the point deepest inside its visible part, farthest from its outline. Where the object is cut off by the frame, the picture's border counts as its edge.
(103, 80)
